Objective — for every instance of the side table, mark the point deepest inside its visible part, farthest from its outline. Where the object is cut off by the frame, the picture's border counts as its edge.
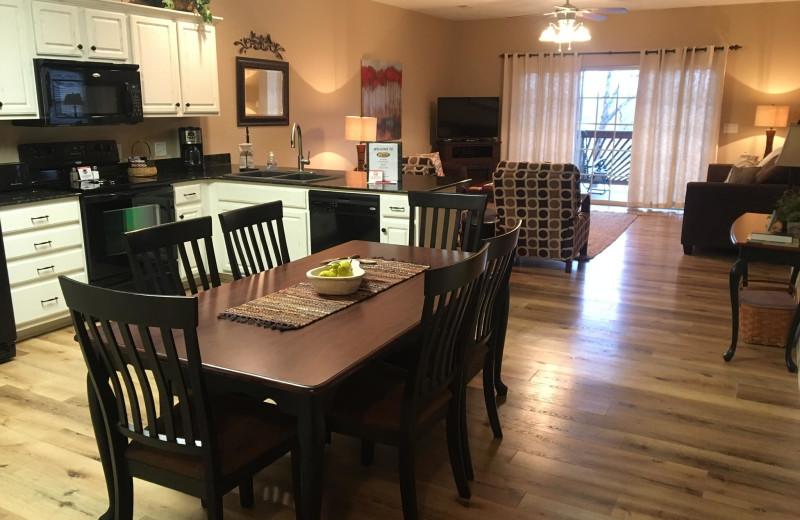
(754, 252)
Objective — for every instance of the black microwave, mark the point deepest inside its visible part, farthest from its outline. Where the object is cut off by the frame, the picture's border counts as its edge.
(76, 93)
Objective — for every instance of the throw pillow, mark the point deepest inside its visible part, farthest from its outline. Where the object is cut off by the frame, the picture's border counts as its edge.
(437, 162)
(772, 174)
(745, 160)
(742, 174)
(773, 155)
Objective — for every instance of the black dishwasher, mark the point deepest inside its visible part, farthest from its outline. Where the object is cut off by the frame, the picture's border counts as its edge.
(337, 218)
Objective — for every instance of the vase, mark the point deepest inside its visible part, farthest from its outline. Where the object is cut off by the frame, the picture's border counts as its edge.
(793, 229)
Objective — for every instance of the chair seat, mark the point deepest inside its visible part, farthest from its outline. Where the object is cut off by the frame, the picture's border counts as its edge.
(246, 430)
(371, 402)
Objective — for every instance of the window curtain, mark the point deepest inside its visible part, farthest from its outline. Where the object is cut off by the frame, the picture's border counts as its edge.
(676, 124)
(540, 107)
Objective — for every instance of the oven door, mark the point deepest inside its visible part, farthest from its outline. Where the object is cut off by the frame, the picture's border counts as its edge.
(77, 93)
(106, 219)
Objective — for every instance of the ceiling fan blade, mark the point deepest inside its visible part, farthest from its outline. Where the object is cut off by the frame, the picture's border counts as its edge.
(595, 17)
(610, 10)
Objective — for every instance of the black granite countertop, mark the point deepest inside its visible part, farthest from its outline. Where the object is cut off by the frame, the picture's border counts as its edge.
(171, 173)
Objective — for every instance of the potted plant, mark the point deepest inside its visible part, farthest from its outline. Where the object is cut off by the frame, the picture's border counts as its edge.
(199, 6)
(787, 213)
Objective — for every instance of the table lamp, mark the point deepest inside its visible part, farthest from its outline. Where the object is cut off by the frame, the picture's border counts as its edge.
(790, 155)
(360, 129)
(771, 116)
(73, 100)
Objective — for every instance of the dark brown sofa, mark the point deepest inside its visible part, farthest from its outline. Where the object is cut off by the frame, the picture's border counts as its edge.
(712, 206)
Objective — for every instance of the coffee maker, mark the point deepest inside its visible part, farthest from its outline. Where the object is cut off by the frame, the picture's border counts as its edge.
(191, 139)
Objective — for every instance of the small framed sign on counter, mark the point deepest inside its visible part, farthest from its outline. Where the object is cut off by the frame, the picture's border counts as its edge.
(384, 162)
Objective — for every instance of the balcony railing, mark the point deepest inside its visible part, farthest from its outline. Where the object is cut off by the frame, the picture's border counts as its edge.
(606, 152)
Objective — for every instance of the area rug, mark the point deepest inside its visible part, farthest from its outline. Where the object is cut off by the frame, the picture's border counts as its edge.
(605, 227)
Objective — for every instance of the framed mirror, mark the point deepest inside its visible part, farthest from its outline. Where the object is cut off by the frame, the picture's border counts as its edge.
(262, 92)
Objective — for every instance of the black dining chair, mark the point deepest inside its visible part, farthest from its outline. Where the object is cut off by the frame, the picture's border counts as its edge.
(154, 253)
(254, 238)
(153, 417)
(446, 220)
(485, 353)
(387, 404)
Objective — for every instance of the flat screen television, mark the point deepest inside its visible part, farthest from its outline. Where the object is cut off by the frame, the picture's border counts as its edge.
(464, 118)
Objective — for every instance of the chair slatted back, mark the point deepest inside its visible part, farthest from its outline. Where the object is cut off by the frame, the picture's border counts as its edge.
(255, 238)
(449, 301)
(499, 259)
(155, 252)
(442, 224)
(132, 344)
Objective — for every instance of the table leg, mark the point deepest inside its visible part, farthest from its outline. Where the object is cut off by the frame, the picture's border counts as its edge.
(737, 271)
(791, 340)
(311, 432)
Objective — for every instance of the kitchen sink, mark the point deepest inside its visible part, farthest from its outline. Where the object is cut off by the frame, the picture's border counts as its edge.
(288, 177)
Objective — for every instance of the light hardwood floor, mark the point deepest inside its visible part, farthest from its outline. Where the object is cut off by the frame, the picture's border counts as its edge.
(620, 406)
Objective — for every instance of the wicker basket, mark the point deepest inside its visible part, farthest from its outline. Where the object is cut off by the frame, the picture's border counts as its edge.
(141, 165)
(766, 315)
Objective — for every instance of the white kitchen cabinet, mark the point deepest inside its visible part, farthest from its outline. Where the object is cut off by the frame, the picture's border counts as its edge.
(68, 31)
(43, 240)
(234, 195)
(188, 205)
(155, 48)
(17, 86)
(197, 49)
(178, 65)
(394, 219)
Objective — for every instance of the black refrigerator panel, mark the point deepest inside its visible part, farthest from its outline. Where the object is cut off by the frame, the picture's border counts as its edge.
(8, 332)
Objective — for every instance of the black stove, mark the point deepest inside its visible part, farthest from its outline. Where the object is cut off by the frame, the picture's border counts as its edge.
(112, 203)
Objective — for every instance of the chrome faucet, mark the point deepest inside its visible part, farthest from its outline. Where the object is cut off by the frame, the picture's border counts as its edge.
(297, 135)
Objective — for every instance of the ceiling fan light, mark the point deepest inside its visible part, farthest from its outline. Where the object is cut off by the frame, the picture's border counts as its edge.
(549, 34)
(581, 34)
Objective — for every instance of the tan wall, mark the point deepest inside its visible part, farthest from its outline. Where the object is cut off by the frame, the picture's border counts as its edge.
(766, 70)
(325, 41)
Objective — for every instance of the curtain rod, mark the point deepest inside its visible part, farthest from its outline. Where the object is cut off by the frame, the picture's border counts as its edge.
(608, 53)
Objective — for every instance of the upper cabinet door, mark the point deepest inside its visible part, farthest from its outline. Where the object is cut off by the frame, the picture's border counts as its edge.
(155, 49)
(197, 45)
(106, 35)
(17, 87)
(57, 29)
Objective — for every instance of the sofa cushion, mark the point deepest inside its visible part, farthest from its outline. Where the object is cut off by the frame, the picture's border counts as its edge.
(742, 174)
(772, 155)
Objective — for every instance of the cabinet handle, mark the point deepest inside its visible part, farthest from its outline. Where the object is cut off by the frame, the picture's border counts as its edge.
(177, 105)
(1, 104)
(80, 46)
(93, 48)
(50, 268)
(182, 217)
(383, 230)
(397, 208)
(53, 299)
(48, 243)
(193, 194)
(188, 105)
(46, 218)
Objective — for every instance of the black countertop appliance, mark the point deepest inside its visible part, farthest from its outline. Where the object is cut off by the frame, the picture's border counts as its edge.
(191, 140)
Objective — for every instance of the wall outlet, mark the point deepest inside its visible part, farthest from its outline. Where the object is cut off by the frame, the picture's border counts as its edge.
(160, 149)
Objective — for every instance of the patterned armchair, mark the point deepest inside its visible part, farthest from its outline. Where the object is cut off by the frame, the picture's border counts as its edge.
(546, 196)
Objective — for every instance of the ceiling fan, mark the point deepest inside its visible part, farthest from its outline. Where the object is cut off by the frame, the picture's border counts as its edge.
(598, 14)
(567, 29)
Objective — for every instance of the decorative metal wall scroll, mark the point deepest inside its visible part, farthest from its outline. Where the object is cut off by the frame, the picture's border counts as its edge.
(260, 42)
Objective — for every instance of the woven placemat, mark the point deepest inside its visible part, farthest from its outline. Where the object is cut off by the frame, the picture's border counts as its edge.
(299, 305)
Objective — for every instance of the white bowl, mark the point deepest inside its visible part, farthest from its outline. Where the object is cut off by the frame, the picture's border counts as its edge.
(339, 285)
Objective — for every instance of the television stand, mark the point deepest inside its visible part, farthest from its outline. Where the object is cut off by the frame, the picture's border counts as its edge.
(479, 157)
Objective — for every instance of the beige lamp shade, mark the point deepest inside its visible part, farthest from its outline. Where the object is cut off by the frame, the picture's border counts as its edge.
(772, 116)
(360, 128)
(790, 155)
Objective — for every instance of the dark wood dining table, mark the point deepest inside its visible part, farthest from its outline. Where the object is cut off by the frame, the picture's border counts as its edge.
(300, 368)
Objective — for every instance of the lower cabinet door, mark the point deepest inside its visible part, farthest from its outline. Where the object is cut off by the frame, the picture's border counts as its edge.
(394, 231)
(40, 301)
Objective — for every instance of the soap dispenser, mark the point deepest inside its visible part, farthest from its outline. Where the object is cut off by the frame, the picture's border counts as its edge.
(271, 164)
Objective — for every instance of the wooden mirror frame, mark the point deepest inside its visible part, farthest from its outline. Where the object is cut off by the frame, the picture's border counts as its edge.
(252, 63)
